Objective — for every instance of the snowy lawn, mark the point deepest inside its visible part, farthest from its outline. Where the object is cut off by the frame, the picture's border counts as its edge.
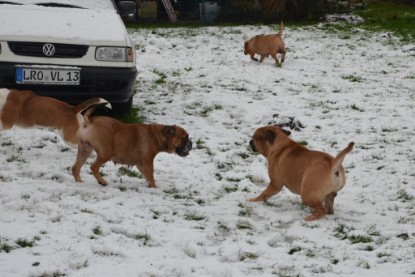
(341, 86)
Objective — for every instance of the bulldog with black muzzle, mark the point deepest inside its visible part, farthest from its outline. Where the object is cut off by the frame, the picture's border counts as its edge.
(129, 144)
(185, 147)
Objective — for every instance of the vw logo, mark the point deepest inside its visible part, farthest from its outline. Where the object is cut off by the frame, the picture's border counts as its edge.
(48, 49)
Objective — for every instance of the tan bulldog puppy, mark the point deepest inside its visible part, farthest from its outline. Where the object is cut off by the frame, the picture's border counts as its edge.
(265, 45)
(314, 175)
(129, 144)
(25, 109)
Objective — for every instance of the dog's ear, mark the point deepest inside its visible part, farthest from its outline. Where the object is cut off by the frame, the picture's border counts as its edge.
(268, 135)
(271, 136)
(169, 131)
(288, 133)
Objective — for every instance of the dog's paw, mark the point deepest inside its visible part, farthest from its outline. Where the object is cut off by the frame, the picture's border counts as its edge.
(104, 184)
(313, 217)
(254, 199)
(310, 218)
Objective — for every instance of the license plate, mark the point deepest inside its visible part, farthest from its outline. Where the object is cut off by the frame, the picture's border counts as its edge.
(48, 76)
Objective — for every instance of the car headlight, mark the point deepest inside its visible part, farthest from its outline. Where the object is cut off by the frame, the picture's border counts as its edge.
(114, 54)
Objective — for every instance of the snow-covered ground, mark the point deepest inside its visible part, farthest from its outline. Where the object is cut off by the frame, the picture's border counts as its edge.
(341, 86)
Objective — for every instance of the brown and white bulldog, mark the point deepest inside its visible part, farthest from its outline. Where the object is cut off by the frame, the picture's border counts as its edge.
(314, 175)
(25, 109)
(129, 144)
(265, 45)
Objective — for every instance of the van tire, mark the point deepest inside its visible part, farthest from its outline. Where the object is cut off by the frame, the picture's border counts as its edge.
(122, 108)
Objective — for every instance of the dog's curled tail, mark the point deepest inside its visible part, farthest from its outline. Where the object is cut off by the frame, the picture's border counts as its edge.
(85, 109)
(281, 28)
(337, 161)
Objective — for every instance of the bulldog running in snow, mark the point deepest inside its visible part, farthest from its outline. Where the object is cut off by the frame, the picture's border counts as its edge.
(314, 175)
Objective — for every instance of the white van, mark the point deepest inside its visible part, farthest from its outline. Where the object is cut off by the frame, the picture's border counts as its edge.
(71, 50)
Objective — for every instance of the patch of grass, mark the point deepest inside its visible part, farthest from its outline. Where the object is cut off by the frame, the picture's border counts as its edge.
(156, 214)
(404, 196)
(97, 230)
(208, 109)
(247, 255)
(144, 237)
(342, 231)
(65, 149)
(233, 180)
(379, 16)
(383, 254)
(246, 212)
(87, 211)
(39, 146)
(133, 117)
(359, 239)
(171, 191)
(218, 176)
(200, 202)
(200, 144)
(15, 158)
(223, 228)
(25, 196)
(352, 78)
(194, 216)
(162, 77)
(243, 155)
(23, 243)
(294, 250)
(368, 248)
(404, 236)
(205, 111)
(122, 188)
(372, 231)
(231, 188)
(57, 273)
(246, 189)
(387, 16)
(128, 172)
(309, 253)
(4, 247)
(150, 102)
(7, 143)
(333, 143)
(272, 204)
(355, 107)
(181, 196)
(365, 264)
(244, 225)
